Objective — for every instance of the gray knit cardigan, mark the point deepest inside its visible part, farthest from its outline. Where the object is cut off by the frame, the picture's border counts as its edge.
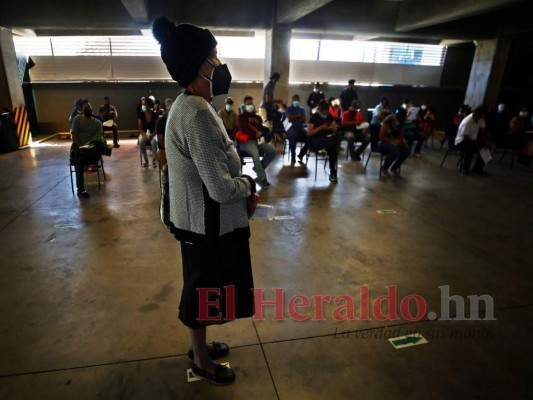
(207, 192)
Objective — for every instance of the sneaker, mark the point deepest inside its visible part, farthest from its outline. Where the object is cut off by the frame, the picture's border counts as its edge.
(265, 184)
(154, 165)
(293, 160)
(396, 172)
(222, 376)
(145, 164)
(116, 145)
(356, 158)
(333, 178)
(83, 194)
(301, 159)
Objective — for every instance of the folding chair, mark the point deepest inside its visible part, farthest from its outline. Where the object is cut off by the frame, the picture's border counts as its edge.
(99, 166)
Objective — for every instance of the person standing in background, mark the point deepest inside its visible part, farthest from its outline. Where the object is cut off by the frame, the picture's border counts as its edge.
(314, 98)
(267, 107)
(348, 95)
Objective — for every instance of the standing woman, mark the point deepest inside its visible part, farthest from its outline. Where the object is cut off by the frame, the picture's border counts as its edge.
(210, 202)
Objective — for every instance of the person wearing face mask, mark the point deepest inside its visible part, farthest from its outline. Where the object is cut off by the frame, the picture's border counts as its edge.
(210, 202)
(229, 117)
(356, 130)
(521, 136)
(250, 132)
(393, 143)
(295, 114)
(109, 115)
(323, 133)
(88, 144)
(147, 132)
(314, 98)
(267, 107)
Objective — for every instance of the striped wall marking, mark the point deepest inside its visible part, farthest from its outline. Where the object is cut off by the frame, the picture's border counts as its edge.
(23, 125)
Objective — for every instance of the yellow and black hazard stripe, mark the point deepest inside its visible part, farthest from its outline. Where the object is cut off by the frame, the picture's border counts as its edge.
(23, 125)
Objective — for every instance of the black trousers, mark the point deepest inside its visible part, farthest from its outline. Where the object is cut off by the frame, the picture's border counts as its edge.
(115, 132)
(81, 158)
(469, 149)
(331, 145)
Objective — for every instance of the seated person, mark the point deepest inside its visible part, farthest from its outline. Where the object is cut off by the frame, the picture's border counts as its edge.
(411, 130)
(88, 145)
(469, 140)
(520, 140)
(250, 131)
(356, 130)
(323, 132)
(161, 129)
(147, 132)
(109, 116)
(392, 142)
(229, 118)
(295, 115)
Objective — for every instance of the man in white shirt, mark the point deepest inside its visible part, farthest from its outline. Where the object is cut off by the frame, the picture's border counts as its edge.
(469, 140)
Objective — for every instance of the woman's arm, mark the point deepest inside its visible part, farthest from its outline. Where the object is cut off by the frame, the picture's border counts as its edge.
(141, 130)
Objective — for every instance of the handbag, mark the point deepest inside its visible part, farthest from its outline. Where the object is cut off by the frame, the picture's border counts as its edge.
(242, 137)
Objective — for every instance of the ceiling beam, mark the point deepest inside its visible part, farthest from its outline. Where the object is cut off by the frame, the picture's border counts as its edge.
(290, 11)
(137, 10)
(416, 14)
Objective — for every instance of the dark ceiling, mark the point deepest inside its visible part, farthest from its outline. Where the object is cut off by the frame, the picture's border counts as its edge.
(413, 20)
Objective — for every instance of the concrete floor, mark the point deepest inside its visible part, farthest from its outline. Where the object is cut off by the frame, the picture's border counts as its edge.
(89, 289)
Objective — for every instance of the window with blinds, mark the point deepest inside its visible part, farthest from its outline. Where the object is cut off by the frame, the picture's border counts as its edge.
(367, 52)
(228, 46)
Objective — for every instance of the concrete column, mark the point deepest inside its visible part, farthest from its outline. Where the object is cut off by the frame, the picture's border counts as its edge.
(11, 94)
(277, 57)
(487, 71)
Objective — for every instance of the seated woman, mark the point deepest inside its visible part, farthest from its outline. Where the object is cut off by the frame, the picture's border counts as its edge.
(324, 134)
(521, 137)
(392, 142)
(147, 131)
(250, 131)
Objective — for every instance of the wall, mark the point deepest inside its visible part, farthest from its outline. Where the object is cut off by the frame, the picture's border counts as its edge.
(54, 101)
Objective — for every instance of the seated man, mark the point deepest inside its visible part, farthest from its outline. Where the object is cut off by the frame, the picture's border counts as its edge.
(392, 142)
(295, 115)
(471, 129)
(323, 133)
(250, 137)
(519, 138)
(356, 130)
(229, 118)
(109, 116)
(88, 145)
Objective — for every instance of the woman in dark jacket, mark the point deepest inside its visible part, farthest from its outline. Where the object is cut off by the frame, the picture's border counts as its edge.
(210, 202)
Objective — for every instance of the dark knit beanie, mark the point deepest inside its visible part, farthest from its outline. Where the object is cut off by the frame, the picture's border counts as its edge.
(184, 48)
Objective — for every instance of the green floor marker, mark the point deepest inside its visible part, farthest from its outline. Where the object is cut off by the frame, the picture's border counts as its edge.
(407, 341)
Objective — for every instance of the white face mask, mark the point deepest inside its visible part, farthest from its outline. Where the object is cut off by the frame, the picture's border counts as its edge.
(423, 107)
(229, 107)
(249, 108)
(501, 107)
(523, 114)
(315, 90)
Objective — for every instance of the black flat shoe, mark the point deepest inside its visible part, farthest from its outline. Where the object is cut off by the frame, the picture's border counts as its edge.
(223, 375)
(219, 350)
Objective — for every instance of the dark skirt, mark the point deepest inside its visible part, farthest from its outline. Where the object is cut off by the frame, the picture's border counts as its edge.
(217, 282)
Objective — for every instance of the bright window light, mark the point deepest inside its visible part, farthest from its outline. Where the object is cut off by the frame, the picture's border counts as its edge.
(304, 49)
(242, 47)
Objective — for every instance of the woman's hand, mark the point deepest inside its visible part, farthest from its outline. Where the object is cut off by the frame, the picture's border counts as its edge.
(251, 204)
